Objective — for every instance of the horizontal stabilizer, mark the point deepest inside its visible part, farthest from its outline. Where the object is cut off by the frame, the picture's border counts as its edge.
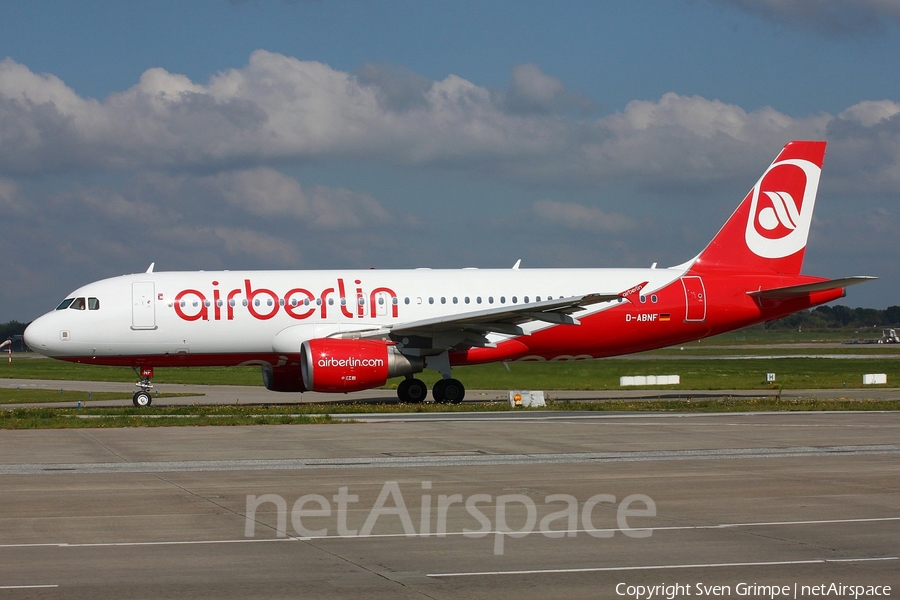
(799, 290)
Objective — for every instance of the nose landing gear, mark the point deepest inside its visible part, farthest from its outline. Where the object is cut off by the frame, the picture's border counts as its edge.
(143, 397)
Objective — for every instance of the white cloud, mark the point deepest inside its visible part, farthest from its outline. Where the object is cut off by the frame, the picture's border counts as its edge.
(871, 112)
(829, 17)
(578, 217)
(281, 109)
(9, 192)
(533, 91)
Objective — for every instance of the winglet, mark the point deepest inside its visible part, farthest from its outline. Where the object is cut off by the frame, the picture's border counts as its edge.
(633, 292)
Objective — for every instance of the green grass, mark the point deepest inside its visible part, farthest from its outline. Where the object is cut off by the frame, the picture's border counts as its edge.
(30, 396)
(36, 367)
(696, 374)
(48, 418)
(603, 374)
(45, 418)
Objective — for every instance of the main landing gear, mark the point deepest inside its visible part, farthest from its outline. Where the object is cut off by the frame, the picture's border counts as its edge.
(143, 398)
(445, 391)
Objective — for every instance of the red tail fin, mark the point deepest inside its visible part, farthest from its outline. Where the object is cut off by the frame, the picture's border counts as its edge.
(768, 231)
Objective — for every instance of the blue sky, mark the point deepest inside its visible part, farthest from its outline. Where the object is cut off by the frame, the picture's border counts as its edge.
(321, 134)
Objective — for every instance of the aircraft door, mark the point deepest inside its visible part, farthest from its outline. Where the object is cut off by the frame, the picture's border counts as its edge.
(695, 299)
(143, 306)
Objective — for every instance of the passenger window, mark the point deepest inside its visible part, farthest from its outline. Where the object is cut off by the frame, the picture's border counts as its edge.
(77, 304)
(65, 304)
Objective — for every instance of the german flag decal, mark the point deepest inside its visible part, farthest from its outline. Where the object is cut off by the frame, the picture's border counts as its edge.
(665, 316)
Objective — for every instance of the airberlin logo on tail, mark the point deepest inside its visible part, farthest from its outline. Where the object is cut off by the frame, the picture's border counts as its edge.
(781, 208)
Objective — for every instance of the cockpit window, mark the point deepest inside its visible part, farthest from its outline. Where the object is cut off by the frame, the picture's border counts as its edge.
(93, 304)
(65, 304)
(77, 304)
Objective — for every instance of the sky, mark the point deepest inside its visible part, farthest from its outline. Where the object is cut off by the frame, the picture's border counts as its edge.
(276, 134)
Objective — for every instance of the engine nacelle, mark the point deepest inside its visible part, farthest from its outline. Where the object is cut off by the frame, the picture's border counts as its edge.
(336, 365)
(283, 379)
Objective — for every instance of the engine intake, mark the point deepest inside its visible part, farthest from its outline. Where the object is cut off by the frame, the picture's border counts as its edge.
(335, 365)
(283, 379)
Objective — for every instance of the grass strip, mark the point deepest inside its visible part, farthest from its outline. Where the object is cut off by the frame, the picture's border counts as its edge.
(696, 373)
(33, 396)
(195, 415)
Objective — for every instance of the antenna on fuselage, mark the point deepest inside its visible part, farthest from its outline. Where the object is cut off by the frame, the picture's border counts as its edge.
(516, 266)
(150, 268)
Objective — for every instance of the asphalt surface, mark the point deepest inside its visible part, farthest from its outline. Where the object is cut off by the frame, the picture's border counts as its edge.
(543, 505)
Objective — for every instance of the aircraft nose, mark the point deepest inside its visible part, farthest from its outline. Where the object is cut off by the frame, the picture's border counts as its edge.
(40, 335)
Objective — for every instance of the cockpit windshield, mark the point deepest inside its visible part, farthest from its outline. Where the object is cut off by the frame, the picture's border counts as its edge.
(79, 304)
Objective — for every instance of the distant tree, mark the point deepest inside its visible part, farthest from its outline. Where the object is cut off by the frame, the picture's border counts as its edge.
(7, 330)
(838, 317)
(892, 315)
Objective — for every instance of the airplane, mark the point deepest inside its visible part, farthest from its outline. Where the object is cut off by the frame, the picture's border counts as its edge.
(350, 330)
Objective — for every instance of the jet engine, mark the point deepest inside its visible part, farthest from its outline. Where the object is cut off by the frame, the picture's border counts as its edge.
(336, 365)
(283, 379)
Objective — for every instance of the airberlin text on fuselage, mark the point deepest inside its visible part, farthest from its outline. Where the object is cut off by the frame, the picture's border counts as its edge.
(298, 303)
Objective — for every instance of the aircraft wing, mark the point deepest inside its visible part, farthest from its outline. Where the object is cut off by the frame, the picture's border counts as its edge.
(799, 290)
(505, 319)
(470, 329)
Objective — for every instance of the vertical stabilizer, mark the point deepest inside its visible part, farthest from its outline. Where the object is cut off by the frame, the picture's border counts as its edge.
(768, 231)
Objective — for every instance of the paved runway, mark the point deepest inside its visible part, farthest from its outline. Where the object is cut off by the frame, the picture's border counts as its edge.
(455, 506)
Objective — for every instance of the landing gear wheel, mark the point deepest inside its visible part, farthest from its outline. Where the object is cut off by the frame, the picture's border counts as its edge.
(437, 391)
(454, 391)
(413, 391)
(142, 399)
(448, 390)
